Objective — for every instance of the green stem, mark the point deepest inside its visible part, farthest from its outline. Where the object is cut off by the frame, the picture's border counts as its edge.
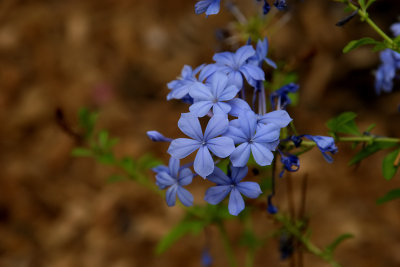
(305, 241)
(227, 245)
(364, 15)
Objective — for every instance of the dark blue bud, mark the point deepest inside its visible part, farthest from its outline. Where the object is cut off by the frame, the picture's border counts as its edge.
(271, 208)
(157, 137)
(280, 4)
(206, 259)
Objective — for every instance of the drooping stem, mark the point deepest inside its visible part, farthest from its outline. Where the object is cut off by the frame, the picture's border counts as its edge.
(227, 245)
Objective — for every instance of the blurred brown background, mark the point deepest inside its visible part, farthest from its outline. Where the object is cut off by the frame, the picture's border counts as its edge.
(116, 56)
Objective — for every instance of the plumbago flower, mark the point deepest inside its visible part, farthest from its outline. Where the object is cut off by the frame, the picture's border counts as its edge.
(213, 95)
(259, 139)
(175, 178)
(280, 97)
(210, 7)
(325, 144)
(231, 184)
(220, 146)
(181, 87)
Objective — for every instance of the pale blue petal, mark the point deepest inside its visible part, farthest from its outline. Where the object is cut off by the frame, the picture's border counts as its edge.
(219, 177)
(185, 196)
(221, 108)
(163, 180)
(267, 133)
(173, 167)
(253, 72)
(278, 117)
(240, 156)
(238, 174)
(216, 194)
(271, 63)
(161, 168)
(170, 195)
(190, 125)
(198, 69)
(249, 189)
(203, 163)
(236, 202)
(201, 6)
(207, 71)
(235, 123)
(187, 72)
(238, 106)
(243, 53)
(248, 123)
(236, 134)
(217, 125)
(201, 92)
(262, 155)
(228, 93)
(224, 58)
(235, 78)
(272, 145)
(213, 8)
(182, 147)
(218, 83)
(201, 108)
(185, 177)
(221, 146)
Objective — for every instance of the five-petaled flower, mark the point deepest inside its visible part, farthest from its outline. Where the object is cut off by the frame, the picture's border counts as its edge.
(220, 146)
(175, 178)
(231, 184)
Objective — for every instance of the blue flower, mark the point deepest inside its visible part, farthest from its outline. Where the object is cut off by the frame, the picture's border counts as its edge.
(325, 144)
(280, 97)
(157, 137)
(210, 7)
(175, 178)
(290, 163)
(259, 140)
(235, 64)
(213, 95)
(280, 4)
(395, 29)
(387, 71)
(180, 88)
(261, 54)
(220, 146)
(232, 185)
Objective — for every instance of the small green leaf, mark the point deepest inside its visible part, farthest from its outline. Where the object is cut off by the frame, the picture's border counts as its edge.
(357, 43)
(369, 3)
(388, 165)
(369, 129)
(369, 150)
(180, 230)
(103, 139)
(362, 4)
(107, 158)
(391, 195)
(128, 165)
(116, 178)
(87, 120)
(344, 123)
(81, 152)
(332, 246)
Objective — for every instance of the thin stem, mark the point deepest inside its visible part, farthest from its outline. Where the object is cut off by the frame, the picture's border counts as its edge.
(227, 245)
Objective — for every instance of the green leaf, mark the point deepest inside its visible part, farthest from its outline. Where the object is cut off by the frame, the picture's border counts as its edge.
(369, 150)
(81, 152)
(103, 139)
(388, 165)
(116, 178)
(87, 120)
(362, 4)
(148, 161)
(180, 230)
(391, 195)
(369, 3)
(332, 246)
(357, 43)
(250, 240)
(369, 129)
(107, 158)
(344, 123)
(129, 165)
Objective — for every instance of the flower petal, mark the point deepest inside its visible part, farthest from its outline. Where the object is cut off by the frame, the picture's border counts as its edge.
(238, 174)
(248, 123)
(267, 133)
(163, 180)
(185, 196)
(203, 163)
(216, 194)
(243, 53)
(228, 93)
(262, 155)
(236, 134)
(170, 195)
(185, 177)
(224, 58)
(201, 92)
(221, 108)
(236, 202)
(219, 177)
(182, 147)
(278, 117)
(221, 146)
(217, 125)
(173, 167)
(218, 83)
(238, 105)
(201, 108)
(249, 189)
(235, 78)
(240, 156)
(252, 72)
(190, 125)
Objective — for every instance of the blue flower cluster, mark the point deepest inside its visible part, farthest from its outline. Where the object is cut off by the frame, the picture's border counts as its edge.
(212, 7)
(390, 65)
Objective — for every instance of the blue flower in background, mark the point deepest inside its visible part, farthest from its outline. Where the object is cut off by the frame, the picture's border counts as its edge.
(213, 95)
(325, 144)
(236, 64)
(221, 146)
(157, 137)
(206, 259)
(290, 163)
(387, 71)
(231, 184)
(261, 54)
(280, 97)
(395, 29)
(280, 4)
(180, 88)
(175, 178)
(257, 140)
(210, 7)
